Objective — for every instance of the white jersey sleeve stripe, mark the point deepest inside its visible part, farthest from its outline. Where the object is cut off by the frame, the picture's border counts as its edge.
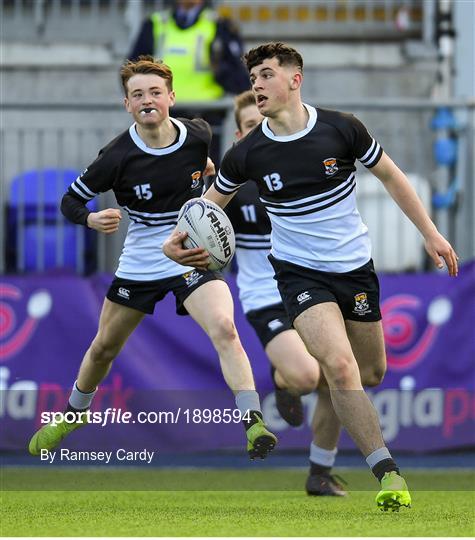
(226, 185)
(368, 153)
(373, 156)
(81, 193)
(83, 186)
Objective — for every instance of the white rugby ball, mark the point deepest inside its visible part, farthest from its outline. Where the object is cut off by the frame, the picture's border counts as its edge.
(208, 227)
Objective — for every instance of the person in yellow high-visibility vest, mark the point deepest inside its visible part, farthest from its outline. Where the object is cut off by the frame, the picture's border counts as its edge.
(203, 50)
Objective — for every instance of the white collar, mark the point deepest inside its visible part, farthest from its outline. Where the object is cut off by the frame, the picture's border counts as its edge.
(160, 151)
(312, 120)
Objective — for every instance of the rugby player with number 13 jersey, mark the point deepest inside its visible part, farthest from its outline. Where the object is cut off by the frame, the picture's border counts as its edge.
(302, 159)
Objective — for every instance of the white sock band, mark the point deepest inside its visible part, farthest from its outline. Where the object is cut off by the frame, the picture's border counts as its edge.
(320, 456)
(377, 456)
(80, 400)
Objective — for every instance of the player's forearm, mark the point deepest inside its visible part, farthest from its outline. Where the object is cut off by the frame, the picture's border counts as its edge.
(408, 200)
(74, 209)
(214, 195)
(398, 186)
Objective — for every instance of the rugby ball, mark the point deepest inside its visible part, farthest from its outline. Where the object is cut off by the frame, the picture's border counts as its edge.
(208, 227)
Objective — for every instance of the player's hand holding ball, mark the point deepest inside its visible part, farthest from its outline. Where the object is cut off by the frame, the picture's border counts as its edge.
(106, 221)
(174, 250)
(203, 238)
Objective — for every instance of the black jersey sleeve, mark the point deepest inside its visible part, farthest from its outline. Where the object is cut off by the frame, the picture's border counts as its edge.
(200, 128)
(365, 148)
(74, 209)
(232, 173)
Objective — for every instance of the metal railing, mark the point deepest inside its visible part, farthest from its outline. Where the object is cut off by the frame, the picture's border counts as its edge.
(321, 19)
(113, 23)
(68, 136)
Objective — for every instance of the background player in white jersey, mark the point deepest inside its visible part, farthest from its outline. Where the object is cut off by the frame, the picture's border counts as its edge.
(153, 168)
(294, 371)
(303, 161)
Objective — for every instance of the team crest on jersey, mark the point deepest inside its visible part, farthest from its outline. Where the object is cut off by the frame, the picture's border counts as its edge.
(361, 304)
(195, 179)
(330, 166)
(192, 277)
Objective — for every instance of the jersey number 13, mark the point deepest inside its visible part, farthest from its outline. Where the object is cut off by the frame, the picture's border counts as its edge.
(273, 181)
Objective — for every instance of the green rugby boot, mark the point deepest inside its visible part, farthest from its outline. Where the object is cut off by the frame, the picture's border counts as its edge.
(394, 493)
(49, 436)
(260, 441)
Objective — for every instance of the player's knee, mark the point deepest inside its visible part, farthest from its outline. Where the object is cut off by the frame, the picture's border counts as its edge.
(223, 331)
(304, 381)
(341, 370)
(373, 376)
(103, 353)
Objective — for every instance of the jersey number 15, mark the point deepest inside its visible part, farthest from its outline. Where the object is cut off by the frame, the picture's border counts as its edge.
(143, 191)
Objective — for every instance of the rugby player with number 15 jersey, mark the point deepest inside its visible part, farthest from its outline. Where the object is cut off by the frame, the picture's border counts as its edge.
(153, 168)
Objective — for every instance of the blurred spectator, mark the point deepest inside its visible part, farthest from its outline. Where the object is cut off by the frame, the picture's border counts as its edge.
(204, 52)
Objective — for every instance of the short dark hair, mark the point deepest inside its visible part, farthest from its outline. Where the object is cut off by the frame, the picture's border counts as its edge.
(242, 101)
(286, 55)
(145, 64)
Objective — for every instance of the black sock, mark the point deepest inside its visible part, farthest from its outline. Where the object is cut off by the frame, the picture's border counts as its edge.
(384, 466)
(252, 419)
(316, 469)
(71, 409)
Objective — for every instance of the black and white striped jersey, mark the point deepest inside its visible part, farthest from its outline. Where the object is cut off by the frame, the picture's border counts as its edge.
(151, 184)
(252, 228)
(306, 182)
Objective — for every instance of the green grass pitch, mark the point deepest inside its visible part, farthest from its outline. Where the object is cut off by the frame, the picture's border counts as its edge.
(226, 502)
